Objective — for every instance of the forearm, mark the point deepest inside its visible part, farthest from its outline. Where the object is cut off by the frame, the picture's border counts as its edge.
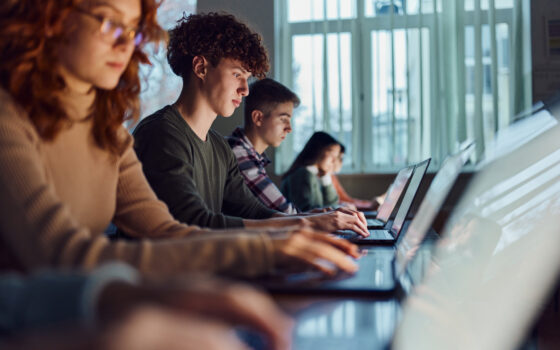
(278, 220)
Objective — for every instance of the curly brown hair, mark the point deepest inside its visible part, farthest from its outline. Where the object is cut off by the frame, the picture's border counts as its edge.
(215, 36)
(29, 55)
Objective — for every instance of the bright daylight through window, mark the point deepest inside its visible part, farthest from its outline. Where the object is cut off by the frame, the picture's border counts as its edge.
(399, 80)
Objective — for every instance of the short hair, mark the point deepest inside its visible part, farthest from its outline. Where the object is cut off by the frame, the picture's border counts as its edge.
(265, 95)
(215, 36)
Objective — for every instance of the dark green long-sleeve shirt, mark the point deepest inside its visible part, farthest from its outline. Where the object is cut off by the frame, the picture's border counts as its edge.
(304, 189)
(199, 180)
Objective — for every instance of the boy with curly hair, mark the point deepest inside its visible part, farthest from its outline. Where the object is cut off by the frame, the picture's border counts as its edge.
(190, 166)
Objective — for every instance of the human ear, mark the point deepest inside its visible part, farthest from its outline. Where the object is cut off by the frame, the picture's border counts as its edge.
(199, 66)
(257, 117)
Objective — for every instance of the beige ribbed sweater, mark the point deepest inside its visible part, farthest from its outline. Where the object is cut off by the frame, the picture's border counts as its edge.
(56, 198)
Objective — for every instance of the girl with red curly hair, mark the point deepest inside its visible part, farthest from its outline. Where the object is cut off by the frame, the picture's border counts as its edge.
(68, 80)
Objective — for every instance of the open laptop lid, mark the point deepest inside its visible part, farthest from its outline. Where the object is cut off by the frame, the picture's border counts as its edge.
(409, 195)
(394, 193)
(431, 204)
(497, 258)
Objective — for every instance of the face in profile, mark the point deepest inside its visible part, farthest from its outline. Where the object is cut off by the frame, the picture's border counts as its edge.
(338, 163)
(277, 125)
(99, 43)
(225, 85)
(327, 160)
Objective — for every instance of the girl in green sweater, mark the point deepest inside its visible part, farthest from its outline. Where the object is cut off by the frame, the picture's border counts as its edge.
(308, 183)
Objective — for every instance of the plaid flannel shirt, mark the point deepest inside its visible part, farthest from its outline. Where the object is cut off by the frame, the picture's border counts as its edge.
(252, 166)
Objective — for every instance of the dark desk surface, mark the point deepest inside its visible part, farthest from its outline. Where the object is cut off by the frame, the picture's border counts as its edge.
(349, 322)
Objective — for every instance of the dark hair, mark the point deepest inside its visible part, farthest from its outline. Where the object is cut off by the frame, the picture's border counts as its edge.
(28, 57)
(342, 148)
(215, 36)
(312, 151)
(265, 95)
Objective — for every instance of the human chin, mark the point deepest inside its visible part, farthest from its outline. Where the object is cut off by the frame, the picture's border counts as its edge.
(107, 81)
(227, 112)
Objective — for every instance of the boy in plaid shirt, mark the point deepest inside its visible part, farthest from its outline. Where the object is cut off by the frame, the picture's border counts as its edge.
(268, 111)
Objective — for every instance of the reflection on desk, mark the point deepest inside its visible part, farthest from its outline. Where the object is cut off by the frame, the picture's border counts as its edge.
(346, 324)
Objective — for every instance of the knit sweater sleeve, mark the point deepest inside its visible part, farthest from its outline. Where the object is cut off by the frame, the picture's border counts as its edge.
(39, 229)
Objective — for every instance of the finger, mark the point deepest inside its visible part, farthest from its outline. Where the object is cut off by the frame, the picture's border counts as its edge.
(333, 255)
(311, 261)
(360, 227)
(344, 245)
(309, 247)
(360, 231)
(262, 314)
(353, 222)
(228, 302)
(345, 210)
(362, 217)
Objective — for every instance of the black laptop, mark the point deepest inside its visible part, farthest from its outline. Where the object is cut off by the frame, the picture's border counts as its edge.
(382, 270)
(390, 236)
(394, 194)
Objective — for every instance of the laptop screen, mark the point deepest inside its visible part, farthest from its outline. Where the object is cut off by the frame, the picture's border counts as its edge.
(497, 258)
(409, 195)
(433, 200)
(394, 193)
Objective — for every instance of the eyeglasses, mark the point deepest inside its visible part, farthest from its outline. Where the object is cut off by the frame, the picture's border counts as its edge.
(112, 31)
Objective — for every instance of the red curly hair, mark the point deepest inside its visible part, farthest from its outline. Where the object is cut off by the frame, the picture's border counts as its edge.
(215, 36)
(29, 55)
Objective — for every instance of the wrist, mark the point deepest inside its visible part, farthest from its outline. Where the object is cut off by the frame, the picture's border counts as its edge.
(325, 180)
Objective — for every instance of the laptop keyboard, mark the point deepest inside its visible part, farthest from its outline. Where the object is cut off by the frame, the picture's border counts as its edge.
(375, 222)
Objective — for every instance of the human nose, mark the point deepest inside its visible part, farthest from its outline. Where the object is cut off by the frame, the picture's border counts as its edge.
(244, 88)
(289, 127)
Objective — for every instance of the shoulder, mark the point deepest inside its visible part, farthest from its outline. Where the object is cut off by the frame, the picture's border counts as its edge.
(298, 175)
(163, 121)
(236, 138)
(162, 128)
(13, 117)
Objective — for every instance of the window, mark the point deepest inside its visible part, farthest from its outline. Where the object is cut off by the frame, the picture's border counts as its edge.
(397, 81)
(160, 86)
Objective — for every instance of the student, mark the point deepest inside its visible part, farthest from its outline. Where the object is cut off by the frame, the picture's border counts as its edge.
(68, 80)
(267, 121)
(343, 196)
(112, 307)
(190, 166)
(308, 181)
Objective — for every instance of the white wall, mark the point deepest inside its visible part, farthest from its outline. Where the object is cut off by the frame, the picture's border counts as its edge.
(259, 16)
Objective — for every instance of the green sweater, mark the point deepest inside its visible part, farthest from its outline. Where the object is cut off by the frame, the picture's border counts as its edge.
(199, 180)
(305, 190)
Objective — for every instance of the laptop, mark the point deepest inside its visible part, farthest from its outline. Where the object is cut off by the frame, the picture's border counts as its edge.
(382, 270)
(489, 295)
(392, 197)
(390, 236)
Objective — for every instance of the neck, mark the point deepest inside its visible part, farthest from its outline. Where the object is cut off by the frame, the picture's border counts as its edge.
(76, 103)
(77, 97)
(195, 110)
(257, 141)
